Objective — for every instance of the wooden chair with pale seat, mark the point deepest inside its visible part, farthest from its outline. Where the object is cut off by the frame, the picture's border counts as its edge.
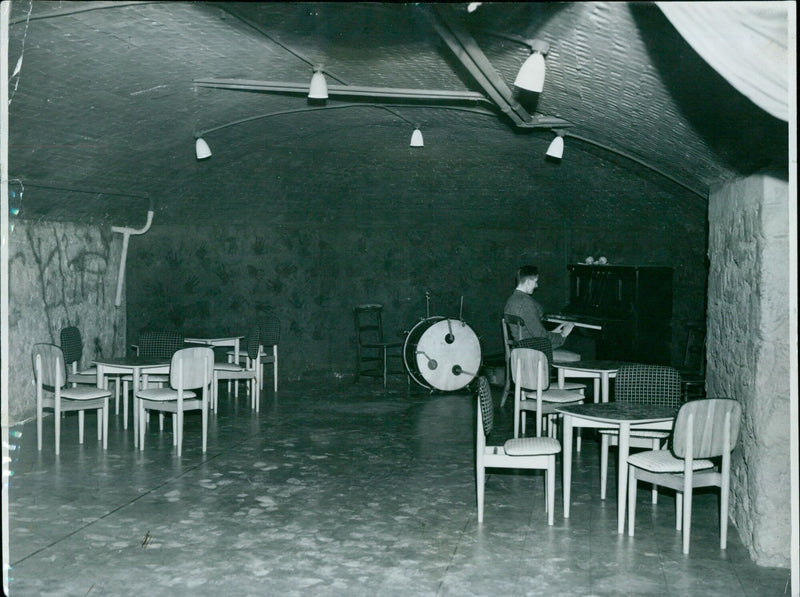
(51, 376)
(247, 370)
(703, 429)
(537, 453)
(638, 383)
(270, 330)
(153, 344)
(530, 374)
(190, 374)
(375, 357)
(270, 334)
(512, 327)
(72, 347)
(693, 367)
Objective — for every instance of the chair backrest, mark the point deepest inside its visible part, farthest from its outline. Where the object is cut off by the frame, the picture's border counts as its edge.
(512, 329)
(191, 368)
(526, 366)
(542, 344)
(270, 331)
(694, 352)
(485, 404)
(72, 344)
(159, 344)
(253, 342)
(51, 372)
(712, 423)
(369, 323)
(648, 384)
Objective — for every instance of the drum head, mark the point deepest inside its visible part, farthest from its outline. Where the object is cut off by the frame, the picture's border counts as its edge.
(410, 348)
(448, 355)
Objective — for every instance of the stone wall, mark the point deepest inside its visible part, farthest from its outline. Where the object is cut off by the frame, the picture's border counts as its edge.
(60, 274)
(748, 352)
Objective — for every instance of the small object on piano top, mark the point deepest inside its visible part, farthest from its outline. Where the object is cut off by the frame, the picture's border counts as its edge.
(602, 260)
(589, 260)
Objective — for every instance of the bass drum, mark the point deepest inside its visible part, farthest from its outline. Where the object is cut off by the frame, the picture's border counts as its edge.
(442, 354)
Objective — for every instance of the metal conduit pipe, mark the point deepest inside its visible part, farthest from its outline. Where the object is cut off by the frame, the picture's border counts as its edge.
(466, 49)
(492, 83)
(347, 90)
(465, 59)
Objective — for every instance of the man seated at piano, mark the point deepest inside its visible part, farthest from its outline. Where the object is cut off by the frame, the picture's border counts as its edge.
(522, 304)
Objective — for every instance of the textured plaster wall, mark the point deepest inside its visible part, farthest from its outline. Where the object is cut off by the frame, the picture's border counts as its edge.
(312, 277)
(748, 352)
(60, 274)
(216, 280)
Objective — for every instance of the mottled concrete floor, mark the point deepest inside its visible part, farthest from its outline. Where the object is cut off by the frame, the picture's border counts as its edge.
(336, 489)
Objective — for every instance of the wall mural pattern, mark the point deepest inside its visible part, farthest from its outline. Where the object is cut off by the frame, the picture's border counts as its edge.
(312, 277)
(60, 274)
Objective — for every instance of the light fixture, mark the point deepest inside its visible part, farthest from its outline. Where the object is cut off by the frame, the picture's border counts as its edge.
(531, 73)
(201, 149)
(416, 138)
(473, 6)
(556, 149)
(319, 86)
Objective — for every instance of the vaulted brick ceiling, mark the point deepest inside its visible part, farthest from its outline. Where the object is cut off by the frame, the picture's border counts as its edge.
(104, 110)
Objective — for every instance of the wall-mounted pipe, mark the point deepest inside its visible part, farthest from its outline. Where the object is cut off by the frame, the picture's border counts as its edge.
(126, 234)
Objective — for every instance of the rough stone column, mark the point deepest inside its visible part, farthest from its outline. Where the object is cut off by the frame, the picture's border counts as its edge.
(60, 274)
(748, 352)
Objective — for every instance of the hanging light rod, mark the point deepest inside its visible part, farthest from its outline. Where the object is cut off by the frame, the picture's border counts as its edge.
(203, 151)
(289, 88)
(545, 122)
(386, 107)
(533, 44)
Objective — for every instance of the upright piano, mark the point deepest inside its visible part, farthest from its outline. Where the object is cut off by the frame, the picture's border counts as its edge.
(626, 309)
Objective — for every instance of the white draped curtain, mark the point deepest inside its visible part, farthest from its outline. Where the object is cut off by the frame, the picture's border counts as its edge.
(745, 42)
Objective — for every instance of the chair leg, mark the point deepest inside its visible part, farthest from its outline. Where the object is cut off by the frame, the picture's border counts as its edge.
(39, 426)
(631, 499)
(654, 493)
(214, 384)
(604, 439)
(58, 430)
(205, 425)
(723, 506)
(506, 385)
(124, 406)
(178, 420)
(687, 512)
(550, 476)
(384, 367)
(139, 405)
(81, 414)
(275, 368)
(358, 363)
(678, 511)
(480, 482)
(105, 424)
